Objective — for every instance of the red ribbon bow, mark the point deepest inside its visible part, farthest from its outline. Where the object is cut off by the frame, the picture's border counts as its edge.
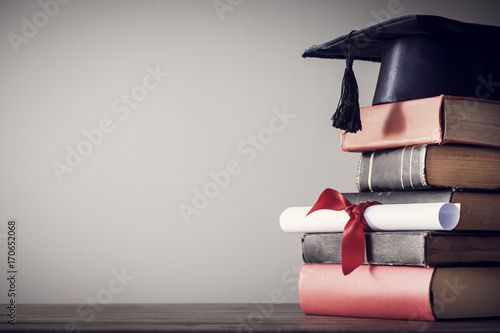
(353, 237)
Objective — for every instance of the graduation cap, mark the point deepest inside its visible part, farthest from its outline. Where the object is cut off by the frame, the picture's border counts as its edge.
(421, 56)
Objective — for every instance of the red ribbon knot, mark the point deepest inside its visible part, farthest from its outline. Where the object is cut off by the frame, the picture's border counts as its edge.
(353, 236)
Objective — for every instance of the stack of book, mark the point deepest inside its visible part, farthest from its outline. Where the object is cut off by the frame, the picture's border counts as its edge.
(416, 275)
(420, 240)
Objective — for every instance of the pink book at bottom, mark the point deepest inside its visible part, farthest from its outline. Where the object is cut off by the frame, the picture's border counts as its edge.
(400, 292)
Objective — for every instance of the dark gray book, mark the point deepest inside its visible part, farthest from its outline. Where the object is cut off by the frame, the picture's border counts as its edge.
(479, 211)
(429, 166)
(427, 249)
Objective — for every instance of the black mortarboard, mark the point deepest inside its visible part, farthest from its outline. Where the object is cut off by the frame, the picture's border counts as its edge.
(421, 56)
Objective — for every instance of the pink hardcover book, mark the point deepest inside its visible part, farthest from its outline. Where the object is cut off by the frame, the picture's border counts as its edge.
(400, 292)
(435, 120)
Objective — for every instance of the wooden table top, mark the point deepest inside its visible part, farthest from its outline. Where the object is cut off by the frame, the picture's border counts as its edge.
(256, 317)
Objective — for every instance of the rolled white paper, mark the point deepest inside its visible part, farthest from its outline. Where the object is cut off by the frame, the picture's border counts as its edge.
(400, 217)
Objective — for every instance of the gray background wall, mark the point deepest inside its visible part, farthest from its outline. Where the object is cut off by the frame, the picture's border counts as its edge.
(67, 70)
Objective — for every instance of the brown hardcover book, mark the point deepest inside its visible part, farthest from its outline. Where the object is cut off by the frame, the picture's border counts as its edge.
(428, 166)
(441, 119)
(409, 248)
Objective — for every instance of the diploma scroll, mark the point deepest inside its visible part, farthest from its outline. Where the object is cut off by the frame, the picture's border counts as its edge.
(395, 217)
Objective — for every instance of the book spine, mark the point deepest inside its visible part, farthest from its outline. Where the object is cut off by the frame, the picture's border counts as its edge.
(382, 248)
(393, 170)
(397, 124)
(391, 292)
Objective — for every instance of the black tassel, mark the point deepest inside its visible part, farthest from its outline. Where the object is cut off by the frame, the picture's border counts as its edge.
(347, 116)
